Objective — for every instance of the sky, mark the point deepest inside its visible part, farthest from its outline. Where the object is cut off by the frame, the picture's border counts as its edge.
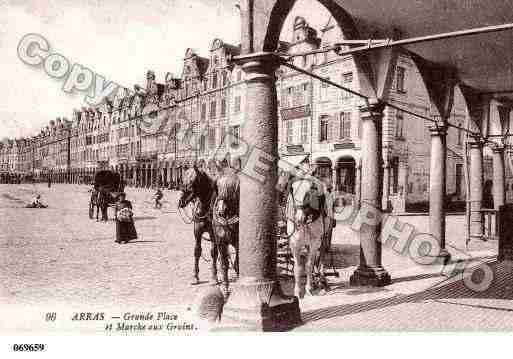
(119, 39)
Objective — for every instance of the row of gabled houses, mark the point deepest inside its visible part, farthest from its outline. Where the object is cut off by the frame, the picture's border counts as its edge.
(136, 132)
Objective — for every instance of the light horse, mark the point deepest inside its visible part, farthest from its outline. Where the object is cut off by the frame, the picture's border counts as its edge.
(307, 224)
(198, 187)
(226, 220)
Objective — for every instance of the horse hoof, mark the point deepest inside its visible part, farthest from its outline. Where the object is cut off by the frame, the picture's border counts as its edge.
(214, 281)
(195, 281)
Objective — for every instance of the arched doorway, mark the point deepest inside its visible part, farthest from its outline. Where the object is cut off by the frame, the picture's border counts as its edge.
(345, 175)
(323, 169)
(262, 22)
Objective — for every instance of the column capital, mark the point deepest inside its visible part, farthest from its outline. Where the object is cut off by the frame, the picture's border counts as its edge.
(438, 129)
(258, 66)
(373, 109)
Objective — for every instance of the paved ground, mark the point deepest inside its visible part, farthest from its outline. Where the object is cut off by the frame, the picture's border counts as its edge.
(57, 259)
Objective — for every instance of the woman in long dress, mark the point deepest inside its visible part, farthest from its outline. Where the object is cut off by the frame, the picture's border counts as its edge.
(125, 228)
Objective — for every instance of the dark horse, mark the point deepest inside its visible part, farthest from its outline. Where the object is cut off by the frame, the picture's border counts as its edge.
(198, 187)
(226, 220)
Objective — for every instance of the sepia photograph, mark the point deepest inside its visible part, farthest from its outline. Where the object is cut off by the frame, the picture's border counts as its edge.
(198, 167)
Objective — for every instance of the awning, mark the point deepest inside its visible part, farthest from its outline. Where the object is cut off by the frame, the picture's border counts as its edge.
(289, 163)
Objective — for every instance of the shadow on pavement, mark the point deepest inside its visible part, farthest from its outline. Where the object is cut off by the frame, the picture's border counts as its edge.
(134, 242)
(498, 289)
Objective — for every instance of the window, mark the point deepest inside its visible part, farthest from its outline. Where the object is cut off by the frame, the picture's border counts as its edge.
(214, 80)
(222, 135)
(399, 78)
(239, 76)
(213, 109)
(460, 133)
(304, 130)
(347, 80)
(236, 108)
(202, 143)
(236, 135)
(289, 131)
(399, 124)
(225, 78)
(459, 178)
(212, 137)
(323, 129)
(203, 111)
(205, 86)
(324, 90)
(223, 107)
(345, 125)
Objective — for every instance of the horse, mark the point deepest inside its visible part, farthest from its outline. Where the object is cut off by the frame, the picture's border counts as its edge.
(307, 224)
(226, 220)
(102, 203)
(199, 187)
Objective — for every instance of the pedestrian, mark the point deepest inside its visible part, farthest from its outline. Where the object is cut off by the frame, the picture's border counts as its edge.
(125, 228)
(49, 182)
(158, 197)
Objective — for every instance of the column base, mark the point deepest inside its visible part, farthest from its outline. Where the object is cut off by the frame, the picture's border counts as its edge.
(444, 256)
(260, 306)
(366, 276)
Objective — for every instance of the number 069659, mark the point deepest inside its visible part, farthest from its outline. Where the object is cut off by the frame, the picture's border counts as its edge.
(28, 347)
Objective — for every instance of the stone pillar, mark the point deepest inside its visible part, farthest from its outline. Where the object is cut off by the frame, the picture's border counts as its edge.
(370, 270)
(499, 187)
(386, 186)
(257, 299)
(169, 169)
(358, 184)
(400, 204)
(151, 169)
(476, 189)
(437, 187)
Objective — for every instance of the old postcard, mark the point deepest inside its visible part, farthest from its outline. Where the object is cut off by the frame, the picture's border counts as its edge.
(182, 167)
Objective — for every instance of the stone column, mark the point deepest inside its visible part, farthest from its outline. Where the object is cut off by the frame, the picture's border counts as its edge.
(437, 187)
(386, 186)
(358, 184)
(402, 175)
(499, 187)
(476, 189)
(151, 174)
(257, 298)
(370, 270)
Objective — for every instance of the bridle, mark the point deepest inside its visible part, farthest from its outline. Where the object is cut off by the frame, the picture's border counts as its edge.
(194, 197)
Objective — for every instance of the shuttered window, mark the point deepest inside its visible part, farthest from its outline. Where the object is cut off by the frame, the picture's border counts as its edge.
(323, 128)
(304, 130)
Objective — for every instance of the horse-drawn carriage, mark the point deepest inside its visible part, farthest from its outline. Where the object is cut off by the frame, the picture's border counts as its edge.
(107, 186)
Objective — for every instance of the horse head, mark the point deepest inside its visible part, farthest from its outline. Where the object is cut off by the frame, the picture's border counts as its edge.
(306, 197)
(196, 184)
